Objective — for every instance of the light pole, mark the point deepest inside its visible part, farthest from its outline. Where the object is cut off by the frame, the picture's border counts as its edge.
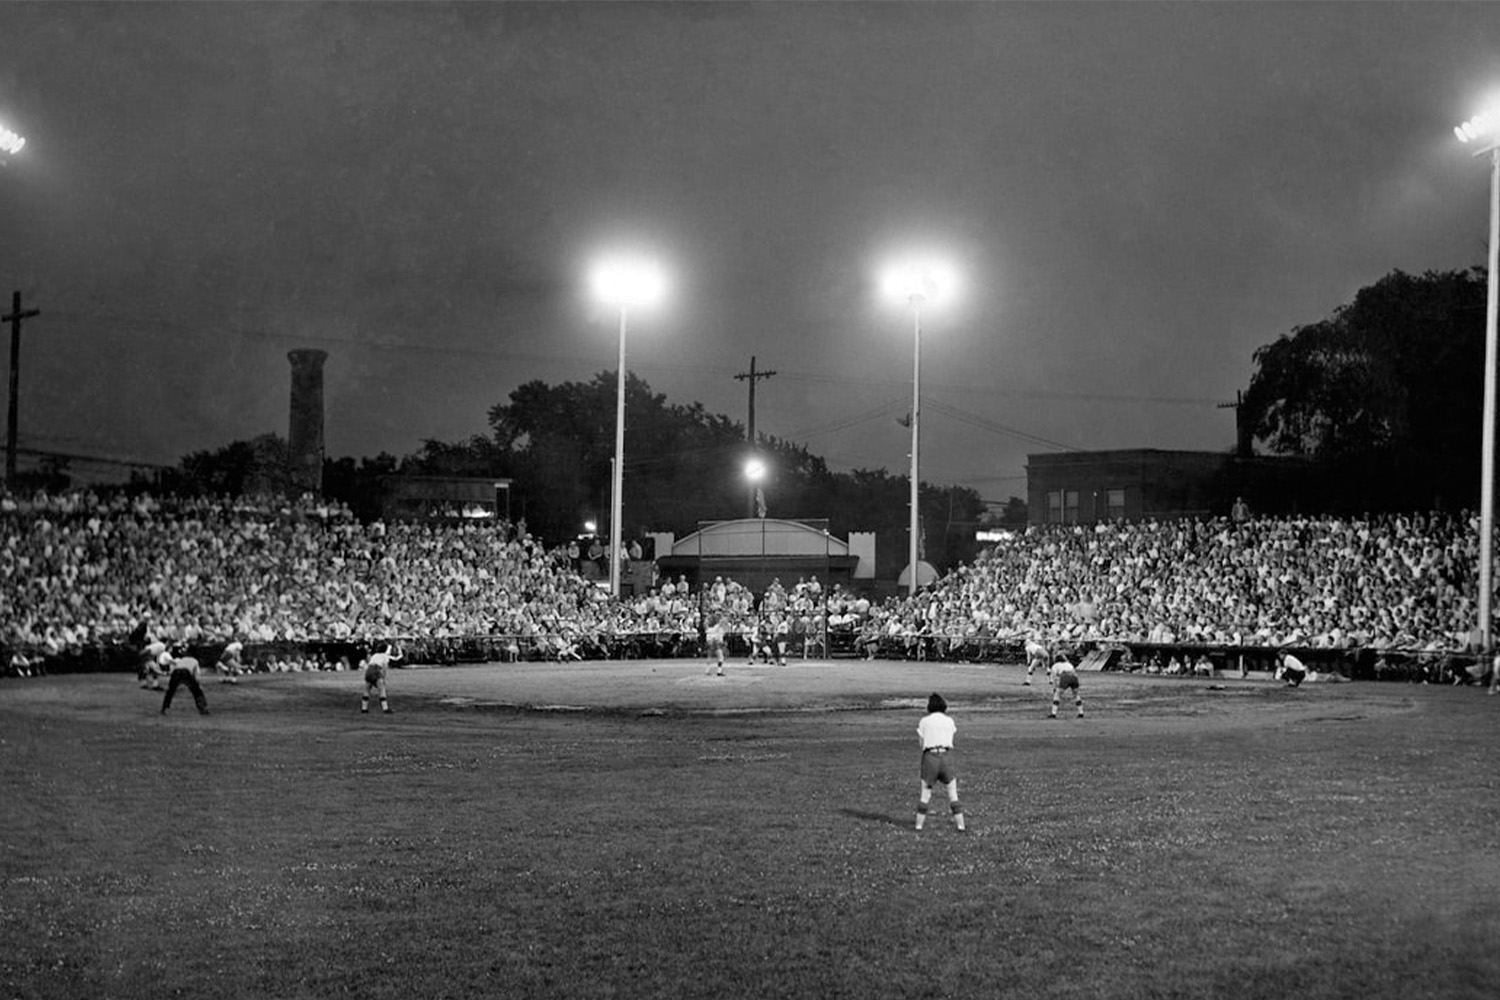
(916, 283)
(914, 550)
(1482, 128)
(623, 282)
(10, 145)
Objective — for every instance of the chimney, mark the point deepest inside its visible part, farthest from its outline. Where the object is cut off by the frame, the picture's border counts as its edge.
(305, 435)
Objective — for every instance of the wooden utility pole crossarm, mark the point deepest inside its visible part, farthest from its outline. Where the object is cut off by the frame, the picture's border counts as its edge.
(17, 314)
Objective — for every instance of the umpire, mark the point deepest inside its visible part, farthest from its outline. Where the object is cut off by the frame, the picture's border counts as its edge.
(184, 671)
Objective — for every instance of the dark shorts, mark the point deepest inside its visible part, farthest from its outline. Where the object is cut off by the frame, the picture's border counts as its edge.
(938, 768)
(1067, 681)
(374, 677)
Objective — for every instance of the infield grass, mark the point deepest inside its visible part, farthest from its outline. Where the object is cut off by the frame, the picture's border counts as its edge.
(670, 835)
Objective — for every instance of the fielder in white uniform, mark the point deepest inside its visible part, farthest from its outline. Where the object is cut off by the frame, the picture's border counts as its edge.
(936, 731)
(229, 663)
(1062, 676)
(1036, 658)
(713, 642)
(375, 670)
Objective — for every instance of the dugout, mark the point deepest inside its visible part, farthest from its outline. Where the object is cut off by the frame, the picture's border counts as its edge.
(753, 551)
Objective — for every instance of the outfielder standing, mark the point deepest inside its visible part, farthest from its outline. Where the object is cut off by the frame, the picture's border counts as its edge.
(1063, 676)
(375, 671)
(936, 731)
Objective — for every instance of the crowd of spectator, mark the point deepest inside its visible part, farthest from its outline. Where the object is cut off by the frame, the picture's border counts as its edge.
(1400, 582)
(306, 583)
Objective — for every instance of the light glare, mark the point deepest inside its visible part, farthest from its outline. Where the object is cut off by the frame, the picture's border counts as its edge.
(755, 470)
(1480, 126)
(10, 142)
(629, 282)
(919, 280)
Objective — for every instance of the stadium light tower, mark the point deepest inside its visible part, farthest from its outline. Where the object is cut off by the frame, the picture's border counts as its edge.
(1484, 129)
(916, 282)
(623, 282)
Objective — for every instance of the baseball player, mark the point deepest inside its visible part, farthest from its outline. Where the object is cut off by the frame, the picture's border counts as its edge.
(936, 731)
(713, 642)
(375, 671)
(229, 664)
(1291, 669)
(151, 670)
(183, 670)
(1062, 676)
(1036, 658)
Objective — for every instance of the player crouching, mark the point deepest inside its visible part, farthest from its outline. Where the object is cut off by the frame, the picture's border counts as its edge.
(229, 665)
(1063, 676)
(1290, 669)
(183, 671)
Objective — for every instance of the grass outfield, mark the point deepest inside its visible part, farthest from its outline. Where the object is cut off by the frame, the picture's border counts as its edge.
(640, 830)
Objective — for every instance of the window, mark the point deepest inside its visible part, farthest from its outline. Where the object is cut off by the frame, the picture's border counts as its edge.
(1070, 507)
(1054, 507)
(1114, 504)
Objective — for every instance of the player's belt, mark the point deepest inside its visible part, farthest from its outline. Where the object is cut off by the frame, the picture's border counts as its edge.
(936, 749)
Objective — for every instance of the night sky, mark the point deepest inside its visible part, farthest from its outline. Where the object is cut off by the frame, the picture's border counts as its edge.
(1137, 195)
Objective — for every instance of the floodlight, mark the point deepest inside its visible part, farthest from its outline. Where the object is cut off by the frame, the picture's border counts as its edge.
(624, 281)
(11, 142)
(919, 279)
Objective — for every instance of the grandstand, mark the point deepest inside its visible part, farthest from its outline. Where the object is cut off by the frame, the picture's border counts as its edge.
(304, 582)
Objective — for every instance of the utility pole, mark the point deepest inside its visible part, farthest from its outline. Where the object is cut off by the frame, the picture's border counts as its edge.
(752, 376)
(14, 319)
(1243, 447)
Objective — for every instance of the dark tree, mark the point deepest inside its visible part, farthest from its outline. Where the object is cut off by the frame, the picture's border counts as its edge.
(681, 462)
(240, 467)
(1384, 396)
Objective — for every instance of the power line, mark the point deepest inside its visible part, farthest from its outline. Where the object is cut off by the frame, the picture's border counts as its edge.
(974, 420)
(825, 378)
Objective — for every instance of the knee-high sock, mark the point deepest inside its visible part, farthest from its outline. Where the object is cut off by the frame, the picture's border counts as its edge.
(953, 804)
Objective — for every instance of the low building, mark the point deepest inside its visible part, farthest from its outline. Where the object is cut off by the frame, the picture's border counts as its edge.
(1086, 487)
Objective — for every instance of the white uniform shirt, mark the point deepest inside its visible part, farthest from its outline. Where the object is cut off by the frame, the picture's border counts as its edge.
(1060, 669)
(936, 730)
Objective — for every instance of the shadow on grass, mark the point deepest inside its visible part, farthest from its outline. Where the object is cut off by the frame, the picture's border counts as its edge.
(875, 817)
